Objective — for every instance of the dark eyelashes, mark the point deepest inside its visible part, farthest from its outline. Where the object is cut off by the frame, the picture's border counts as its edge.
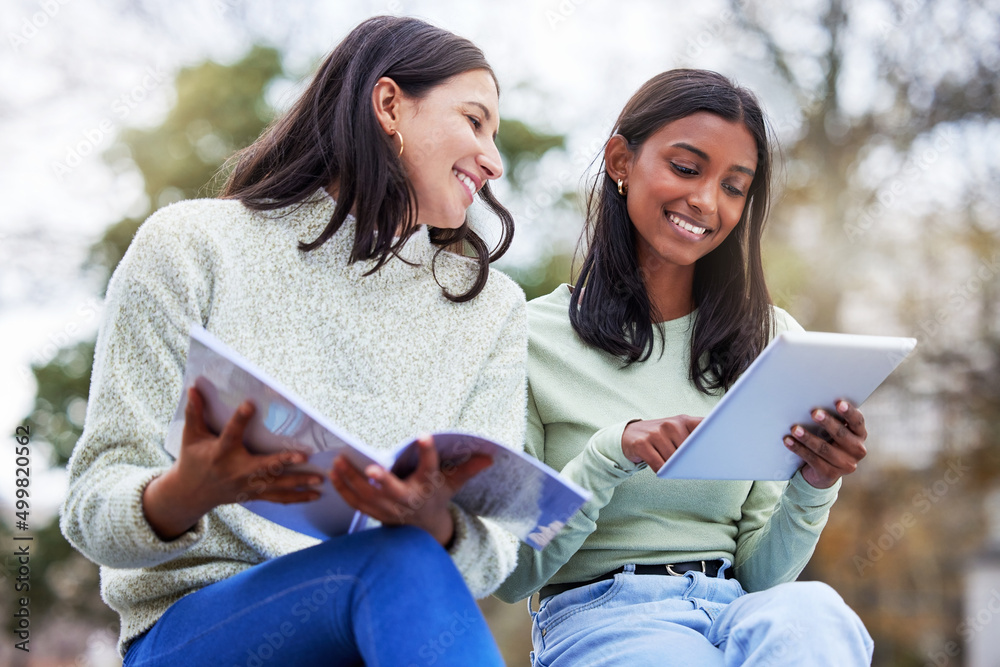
(683, 170)
(736, 192)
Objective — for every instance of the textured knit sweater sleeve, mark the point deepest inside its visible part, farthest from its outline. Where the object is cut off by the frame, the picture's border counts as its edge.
(135, 384)
(498, 394)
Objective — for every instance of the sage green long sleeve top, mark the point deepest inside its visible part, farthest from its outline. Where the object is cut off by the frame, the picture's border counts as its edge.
(579, 401)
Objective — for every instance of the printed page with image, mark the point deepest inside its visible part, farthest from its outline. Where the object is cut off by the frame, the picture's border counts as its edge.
(517, 492)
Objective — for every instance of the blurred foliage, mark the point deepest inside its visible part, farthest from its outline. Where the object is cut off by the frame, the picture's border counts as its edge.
(61, 401)
(899, 540)
(62, 581)
(219, 109)
(541, 279)
(521, 145)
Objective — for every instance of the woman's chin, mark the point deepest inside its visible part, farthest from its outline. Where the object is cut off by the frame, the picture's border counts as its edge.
(452, 221)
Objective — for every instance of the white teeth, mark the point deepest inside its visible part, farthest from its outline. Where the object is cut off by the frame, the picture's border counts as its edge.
(686, 225)
(466, 181)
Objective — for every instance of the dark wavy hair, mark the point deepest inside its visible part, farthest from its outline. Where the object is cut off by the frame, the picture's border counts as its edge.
(332, 134)
(733, 322)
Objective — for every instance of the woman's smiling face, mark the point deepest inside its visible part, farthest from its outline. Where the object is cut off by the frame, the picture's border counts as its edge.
(687, 186)
(449, 149)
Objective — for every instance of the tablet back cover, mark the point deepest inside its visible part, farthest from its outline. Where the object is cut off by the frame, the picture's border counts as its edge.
(741, 439)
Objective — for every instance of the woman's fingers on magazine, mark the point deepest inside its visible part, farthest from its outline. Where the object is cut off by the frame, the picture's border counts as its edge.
(196, 428)
(456, 476)
(358, 492)
(285, 481)
(852, 417)
(232, 432)
(194, 418)
(453, 475)
(288, 496)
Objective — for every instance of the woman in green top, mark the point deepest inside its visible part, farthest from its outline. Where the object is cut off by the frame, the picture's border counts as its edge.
(669, 309)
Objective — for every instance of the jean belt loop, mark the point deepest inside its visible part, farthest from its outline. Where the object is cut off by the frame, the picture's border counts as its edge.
(629, 568)
(726, 565)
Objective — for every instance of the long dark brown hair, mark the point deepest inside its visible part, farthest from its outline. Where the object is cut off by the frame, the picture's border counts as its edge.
(733, 322)
(331, 135)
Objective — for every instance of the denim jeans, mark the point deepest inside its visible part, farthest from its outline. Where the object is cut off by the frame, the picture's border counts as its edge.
(389, 596)
(697, 621)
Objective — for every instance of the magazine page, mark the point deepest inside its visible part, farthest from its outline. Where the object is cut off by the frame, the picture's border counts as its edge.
(281, 422)
(517, 491)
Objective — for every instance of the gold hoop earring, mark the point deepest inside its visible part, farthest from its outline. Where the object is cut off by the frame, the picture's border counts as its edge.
(400, 154)
(622, 187)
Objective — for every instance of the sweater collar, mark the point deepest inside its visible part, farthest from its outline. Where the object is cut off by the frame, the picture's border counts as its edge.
(311, 217)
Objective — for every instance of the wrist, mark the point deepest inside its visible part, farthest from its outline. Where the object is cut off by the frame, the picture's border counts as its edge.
(445, 532)
(168, 506)
(626, 441)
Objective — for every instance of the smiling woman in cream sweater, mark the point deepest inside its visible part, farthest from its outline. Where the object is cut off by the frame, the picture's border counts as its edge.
(325, 266)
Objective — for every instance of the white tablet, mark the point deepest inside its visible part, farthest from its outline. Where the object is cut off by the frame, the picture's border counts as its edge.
(741, 438)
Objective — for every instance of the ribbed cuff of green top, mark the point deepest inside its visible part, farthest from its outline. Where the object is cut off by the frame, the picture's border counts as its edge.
(804, 494)
(608, 443)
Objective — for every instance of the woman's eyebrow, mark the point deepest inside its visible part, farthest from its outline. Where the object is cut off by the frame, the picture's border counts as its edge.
(704, 156)
(487, 116)
(486, 112)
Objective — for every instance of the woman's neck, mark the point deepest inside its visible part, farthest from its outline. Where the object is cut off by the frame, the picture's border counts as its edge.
(670, 288)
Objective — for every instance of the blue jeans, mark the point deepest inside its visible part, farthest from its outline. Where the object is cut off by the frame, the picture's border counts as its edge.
(389, 597)
(639, 620)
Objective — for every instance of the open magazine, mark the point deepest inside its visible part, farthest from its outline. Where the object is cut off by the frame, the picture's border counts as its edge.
(517, 492)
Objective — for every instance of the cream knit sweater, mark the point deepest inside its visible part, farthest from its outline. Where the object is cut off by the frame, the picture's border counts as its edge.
(384, 356)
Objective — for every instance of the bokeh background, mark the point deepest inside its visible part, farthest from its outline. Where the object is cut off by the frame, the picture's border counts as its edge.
(887, 221)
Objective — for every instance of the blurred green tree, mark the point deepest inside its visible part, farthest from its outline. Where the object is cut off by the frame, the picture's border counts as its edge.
(860, 225)
(219, 108)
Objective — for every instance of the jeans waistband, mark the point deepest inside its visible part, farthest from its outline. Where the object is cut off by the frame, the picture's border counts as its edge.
(710, 568)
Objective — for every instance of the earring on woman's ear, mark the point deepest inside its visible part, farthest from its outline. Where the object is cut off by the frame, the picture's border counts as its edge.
(400, 154)
(622, 187)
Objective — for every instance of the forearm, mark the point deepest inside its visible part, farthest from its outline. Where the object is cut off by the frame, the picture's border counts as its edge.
(103, 517)
(782, 547)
